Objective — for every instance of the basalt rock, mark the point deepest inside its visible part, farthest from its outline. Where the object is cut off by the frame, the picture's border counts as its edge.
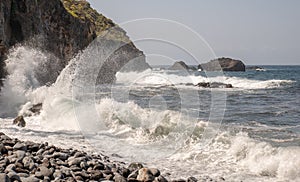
(61, 28)
(214, 85)
(19, 121)
(223, 64)
(256, 68)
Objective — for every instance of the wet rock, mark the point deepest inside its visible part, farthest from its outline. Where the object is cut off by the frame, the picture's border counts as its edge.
(145, 174)
(43, 171)
(119, 178)
(30, 179)
(83, 165)
(21, 165)
(203, 84)
(5, 138)
(99, 166)
(23, 175)
(10, 167)
(60, 155)
(214, 85)
(96, 175)
(75, 161)
(19, 121)
(4, 177)
(109, 177)
(14, 176)
(155, 172)
(20, 146)
(135, 166)
(83, 174)
(3, 149)
(133, 175)
(20, 155)
(160, 179)
(125, 172)
(256, 68)
(36, 108)
(57, 175)
(179, 180)
(192, 179)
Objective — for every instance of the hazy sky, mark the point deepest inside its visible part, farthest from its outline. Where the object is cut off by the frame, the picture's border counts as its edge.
(255, 31)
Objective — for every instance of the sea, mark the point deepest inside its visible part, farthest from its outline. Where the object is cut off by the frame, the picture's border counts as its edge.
(159, 117)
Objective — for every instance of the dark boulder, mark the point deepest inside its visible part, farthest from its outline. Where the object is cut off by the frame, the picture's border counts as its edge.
(255, 68)
(19, 121)
(36, 108)
(223, 64)
(214, 85)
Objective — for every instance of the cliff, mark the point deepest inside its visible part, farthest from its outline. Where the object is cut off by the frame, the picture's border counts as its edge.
(61, 28)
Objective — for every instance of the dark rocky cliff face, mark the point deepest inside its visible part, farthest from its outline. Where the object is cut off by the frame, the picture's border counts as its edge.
(61, 28)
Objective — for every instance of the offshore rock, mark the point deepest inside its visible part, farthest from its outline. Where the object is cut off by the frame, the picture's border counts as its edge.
(180, 65)
(223, 64)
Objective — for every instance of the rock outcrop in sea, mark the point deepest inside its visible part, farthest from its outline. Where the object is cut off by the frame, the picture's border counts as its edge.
(61, 28)
(223, 64)
(180, 65)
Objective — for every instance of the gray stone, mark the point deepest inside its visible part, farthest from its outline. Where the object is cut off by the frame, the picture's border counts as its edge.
(135, 166)
(13, 176)
(46, 179)
(28, 162)
(40, 152)
(10, 167)
(20, 146)
(75, 161)
(20, 154)
(30, 179)
(119, 178)
(25, 175)
(4, 177)
(57, 174)
(60, 155)
(43, 171)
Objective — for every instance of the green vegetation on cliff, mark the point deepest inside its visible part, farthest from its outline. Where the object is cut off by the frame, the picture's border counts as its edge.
(81, 9)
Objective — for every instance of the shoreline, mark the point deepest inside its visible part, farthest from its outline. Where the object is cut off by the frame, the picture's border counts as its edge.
(31, 161)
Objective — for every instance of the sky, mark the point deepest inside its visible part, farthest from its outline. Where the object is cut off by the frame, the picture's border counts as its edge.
(258, 32)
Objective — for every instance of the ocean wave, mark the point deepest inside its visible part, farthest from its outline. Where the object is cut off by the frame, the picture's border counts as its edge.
(166, 78)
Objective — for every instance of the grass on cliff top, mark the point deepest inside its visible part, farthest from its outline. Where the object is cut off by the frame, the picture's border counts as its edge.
(82, 10)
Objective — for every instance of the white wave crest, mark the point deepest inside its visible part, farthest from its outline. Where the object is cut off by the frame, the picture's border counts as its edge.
(162, 78)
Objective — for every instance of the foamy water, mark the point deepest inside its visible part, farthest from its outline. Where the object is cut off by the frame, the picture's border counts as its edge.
(155, 124)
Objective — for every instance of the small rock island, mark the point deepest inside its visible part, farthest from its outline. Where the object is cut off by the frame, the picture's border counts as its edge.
(223, 64)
